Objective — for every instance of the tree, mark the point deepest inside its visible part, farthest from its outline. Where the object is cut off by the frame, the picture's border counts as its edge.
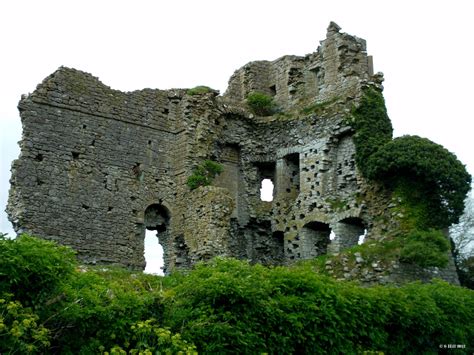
(463, 232)
(462, 235)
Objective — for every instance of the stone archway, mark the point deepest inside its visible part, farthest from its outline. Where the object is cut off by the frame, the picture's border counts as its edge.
(348, 231)
(156, 219)
(315, 238)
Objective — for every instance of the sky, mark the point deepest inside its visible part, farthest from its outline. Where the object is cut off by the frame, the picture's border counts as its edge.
(424, 48)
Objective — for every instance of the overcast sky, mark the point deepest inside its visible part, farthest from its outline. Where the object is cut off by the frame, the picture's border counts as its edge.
(424, 48)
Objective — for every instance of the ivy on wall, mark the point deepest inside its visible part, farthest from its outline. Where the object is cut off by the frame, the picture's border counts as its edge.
(429, 180)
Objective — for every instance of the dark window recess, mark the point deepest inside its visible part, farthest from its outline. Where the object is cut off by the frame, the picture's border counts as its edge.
(273, 90)
(75, 155)
(39, 157)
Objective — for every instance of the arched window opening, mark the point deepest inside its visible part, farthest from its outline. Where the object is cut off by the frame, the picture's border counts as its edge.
(266, 190)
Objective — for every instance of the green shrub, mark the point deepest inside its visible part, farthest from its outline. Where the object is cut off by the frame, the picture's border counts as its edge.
(229, 306)
(260, 104)
(98, 308)
(199, 90)
(432, 177)
(33, 269)
(425, 248)
(204, 174)
(20, 331)
(147, 336)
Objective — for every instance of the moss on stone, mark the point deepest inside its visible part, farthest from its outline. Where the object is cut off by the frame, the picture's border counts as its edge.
(199, 90)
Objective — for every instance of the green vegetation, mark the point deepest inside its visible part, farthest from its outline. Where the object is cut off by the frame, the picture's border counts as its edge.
(199, 90)
(319, 107)
(431, 178)
(73, 309)
(372, 125)
(27, 261)
(224, 306)
(19, 329)
(465, 268)
(383, 253)
(425, 248)
(429, 182)
(337, 204)
(261, 104)
(204, 174)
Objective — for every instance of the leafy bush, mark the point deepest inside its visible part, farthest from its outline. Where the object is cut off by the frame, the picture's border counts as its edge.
(19, 329)
(425, 248)
(260, 104)
(149, 337)
(432, 176)
(83, 309)
(199, 90)
(98, 308)
(229, 306)
(204, 174)
(33, 269)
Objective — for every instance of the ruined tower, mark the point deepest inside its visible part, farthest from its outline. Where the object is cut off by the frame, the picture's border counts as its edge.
(99, 166)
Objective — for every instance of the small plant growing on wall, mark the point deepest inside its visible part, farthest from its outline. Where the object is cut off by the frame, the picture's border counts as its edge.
(199, 90)
(260, 104)
(204, 174)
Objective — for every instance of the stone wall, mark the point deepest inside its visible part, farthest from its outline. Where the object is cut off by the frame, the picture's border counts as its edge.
(99, 166)
(336, 69)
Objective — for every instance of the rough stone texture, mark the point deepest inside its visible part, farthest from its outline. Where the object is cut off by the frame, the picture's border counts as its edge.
(99, 166)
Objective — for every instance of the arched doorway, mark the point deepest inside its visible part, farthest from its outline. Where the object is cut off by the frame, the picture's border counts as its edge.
(157, 219)
(349, 232)
(315, 238)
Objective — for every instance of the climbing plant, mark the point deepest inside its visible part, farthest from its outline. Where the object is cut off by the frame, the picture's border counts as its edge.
(434, 179)
(372, 125)
(431, 180)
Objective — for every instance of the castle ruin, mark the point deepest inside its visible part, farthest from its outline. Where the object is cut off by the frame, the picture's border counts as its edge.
(98, 166)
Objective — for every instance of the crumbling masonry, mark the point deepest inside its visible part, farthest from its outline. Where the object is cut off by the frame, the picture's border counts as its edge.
(99, 166)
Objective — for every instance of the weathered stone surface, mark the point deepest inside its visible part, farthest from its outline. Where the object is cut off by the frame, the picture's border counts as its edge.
(99, 166)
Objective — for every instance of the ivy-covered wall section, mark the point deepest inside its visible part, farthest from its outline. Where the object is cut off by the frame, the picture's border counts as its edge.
(428, 182)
